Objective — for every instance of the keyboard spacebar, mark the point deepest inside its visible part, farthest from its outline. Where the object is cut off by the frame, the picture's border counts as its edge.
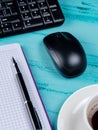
(33, 23)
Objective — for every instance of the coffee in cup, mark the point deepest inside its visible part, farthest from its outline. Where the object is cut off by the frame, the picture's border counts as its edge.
(92, 112)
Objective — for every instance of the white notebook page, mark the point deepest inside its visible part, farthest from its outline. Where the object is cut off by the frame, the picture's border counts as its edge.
(13, 113)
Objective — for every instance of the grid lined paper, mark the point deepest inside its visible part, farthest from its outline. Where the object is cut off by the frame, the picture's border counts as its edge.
(13, 113)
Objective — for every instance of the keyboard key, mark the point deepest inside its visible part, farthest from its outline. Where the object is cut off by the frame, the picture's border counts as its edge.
(24, 8)
(2, 5)
(9, 4)
(48, 20)
(36, 14)
(56, 14)
(27, 15)
(17, 26)
(6, 12)
(33, 6)
(33, 23)
(45, 12)
(52, 3)
(4, 19)
(42, 5)
(1, 13)
(6, 28)
(10, 19)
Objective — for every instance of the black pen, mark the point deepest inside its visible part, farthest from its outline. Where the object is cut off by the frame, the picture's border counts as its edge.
(31, 110)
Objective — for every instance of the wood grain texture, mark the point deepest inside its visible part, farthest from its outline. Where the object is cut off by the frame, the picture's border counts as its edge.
(82, 9)
(81, 19)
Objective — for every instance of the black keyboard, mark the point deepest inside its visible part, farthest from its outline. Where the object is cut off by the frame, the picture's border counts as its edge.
(20, 16)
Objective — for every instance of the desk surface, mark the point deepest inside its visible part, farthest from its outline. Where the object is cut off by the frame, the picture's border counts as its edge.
(81, 19)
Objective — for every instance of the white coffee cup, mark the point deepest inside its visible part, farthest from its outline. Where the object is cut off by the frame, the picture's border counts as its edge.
(90, 109)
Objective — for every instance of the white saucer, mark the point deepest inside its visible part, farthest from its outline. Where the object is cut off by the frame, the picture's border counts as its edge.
(69, 115)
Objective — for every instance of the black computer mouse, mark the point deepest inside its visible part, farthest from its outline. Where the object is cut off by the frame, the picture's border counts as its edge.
(67, 53)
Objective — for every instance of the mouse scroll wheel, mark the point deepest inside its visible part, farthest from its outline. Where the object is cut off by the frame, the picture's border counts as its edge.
(56, 58)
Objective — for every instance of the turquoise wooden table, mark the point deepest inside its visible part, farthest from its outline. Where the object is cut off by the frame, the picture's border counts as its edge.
(81, 19)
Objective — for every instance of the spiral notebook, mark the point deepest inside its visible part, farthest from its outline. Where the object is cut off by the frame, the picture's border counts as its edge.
(13, 113)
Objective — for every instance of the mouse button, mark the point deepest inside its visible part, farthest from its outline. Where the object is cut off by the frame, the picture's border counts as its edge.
(51, 41)
(66, 35)
(72, 41)
(57, 58)
(69, 37)
(74, 60)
